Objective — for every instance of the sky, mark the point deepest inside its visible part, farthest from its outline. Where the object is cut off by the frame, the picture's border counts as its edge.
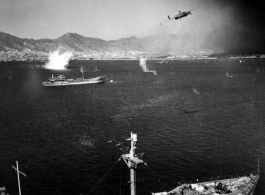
(214, 20)
(215, 26)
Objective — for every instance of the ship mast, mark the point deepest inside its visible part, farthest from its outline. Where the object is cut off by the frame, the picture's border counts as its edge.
(132, 161)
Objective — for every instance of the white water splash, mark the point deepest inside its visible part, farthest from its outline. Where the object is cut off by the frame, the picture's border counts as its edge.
(82, 70)
(144, 66)
(57, 61)
(196, 91)
(227, 74)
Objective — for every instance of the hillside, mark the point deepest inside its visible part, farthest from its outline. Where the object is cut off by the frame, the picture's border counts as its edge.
(188, 43)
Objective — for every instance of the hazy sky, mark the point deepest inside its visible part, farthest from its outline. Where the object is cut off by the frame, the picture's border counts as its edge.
(114, 19)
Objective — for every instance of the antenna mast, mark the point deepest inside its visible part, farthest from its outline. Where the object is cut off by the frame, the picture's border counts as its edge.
(132, 161)
(18, 176)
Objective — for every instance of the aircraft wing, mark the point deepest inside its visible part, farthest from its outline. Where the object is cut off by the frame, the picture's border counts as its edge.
(177, 17)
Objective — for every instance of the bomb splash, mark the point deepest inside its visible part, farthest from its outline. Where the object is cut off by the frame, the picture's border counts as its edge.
(82, 70)
(57, 61)
(145, 67)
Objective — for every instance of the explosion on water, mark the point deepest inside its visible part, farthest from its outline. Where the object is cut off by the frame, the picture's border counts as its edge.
(144, 66)
(57, 61)
(82, 70)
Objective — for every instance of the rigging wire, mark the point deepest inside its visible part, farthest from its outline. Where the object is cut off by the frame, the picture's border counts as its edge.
(103, 176)
(140, 176)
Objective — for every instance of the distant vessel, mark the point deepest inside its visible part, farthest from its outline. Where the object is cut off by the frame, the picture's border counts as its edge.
(163, 62)
(62, 81)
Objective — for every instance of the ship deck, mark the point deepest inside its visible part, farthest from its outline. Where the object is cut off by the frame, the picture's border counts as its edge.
(79, 81)
(235, 186)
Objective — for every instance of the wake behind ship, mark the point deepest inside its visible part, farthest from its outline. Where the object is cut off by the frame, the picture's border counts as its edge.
(62, 81)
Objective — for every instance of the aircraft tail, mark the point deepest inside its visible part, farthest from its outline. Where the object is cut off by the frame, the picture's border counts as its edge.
(168, 17)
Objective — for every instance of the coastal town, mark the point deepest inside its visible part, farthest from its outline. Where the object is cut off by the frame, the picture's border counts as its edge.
(29, 55)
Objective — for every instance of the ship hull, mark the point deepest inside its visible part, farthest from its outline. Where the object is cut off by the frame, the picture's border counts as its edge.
(74, 82)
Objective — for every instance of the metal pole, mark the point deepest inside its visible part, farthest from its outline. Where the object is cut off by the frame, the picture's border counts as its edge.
(132, 161)
(18, 179)
(132, 171)
(133, 186)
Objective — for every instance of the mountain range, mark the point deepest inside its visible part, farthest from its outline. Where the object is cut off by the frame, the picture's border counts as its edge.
(175, 43)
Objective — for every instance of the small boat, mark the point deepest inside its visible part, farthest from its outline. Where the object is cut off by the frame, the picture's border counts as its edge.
(163, 62)
(62, 81)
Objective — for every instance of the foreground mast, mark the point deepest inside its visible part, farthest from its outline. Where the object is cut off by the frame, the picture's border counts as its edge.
(132, 161)
(18, 171)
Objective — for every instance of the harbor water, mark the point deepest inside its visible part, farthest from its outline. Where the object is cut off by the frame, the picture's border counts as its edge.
(196, 120)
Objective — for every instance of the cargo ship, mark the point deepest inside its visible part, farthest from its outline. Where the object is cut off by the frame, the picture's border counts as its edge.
(62, 81)
(236, 186)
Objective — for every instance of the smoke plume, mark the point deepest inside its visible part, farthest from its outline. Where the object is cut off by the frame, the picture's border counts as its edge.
(57, 61)
(144, 66)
